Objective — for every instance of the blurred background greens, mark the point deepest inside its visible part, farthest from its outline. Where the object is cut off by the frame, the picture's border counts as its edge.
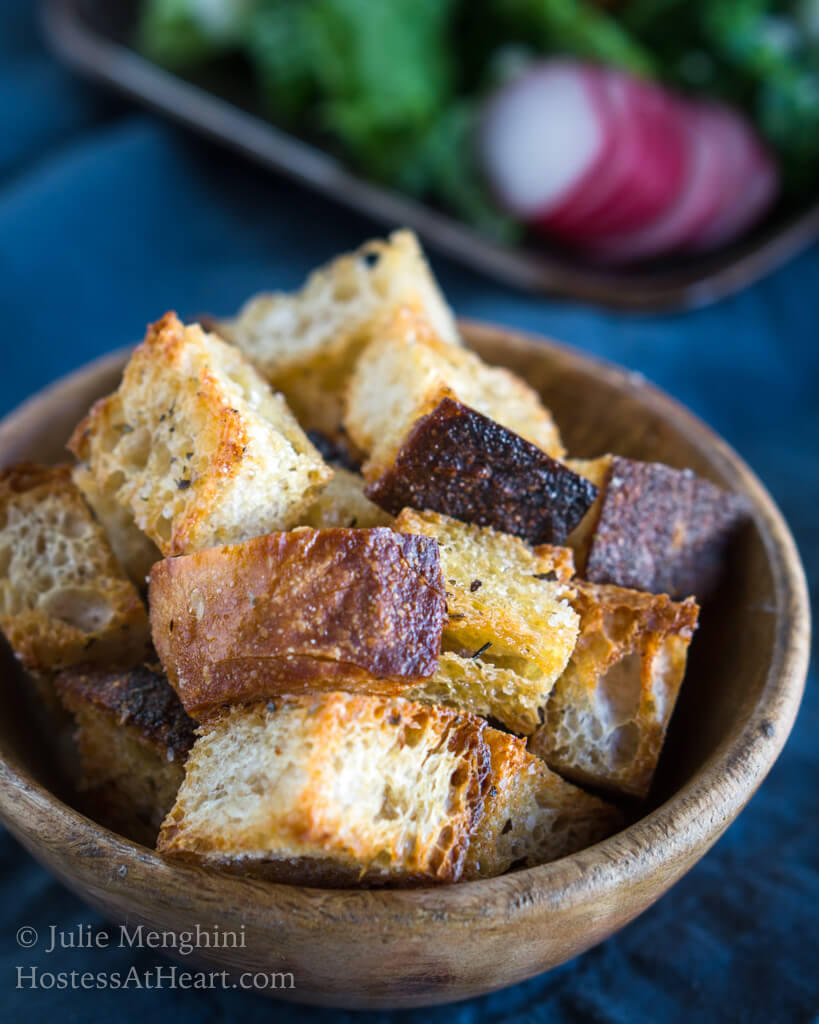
(396, 86)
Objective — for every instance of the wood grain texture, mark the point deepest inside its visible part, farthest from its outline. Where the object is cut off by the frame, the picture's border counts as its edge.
(412, 948)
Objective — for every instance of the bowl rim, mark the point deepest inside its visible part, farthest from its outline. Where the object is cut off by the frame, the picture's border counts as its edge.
(690, 820)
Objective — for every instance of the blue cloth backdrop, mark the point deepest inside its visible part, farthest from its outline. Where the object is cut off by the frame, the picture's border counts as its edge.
(108, 217)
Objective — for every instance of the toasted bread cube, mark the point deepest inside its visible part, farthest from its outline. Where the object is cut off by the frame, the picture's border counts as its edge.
(297, 612)
(63, 596)
(655, 528)
(596, 472)
(342, 502)
(336, 789)
(307, 343)
(531, 815)
(133, 738)
(407, 370)
(484, 689)
(135, 552)
(507, 603)
(197, 446)
(608, 714)
(459, 462)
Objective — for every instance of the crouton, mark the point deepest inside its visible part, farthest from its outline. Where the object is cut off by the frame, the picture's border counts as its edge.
(484, 689)
(596, 472)
(63, 596)
(459, 462)
(531, 815)
(655, 528)
(332, 789)
(196, 445)
(607, 716)
(298, 612)
(342, 502)
(135, 552)
(133, 738)
(306, 343)
(506, 602)
(404, 373)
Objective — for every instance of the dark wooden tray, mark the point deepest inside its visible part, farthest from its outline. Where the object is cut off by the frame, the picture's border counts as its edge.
(93, 35)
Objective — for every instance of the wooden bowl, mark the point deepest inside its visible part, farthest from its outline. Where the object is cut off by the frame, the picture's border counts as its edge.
(411, 948)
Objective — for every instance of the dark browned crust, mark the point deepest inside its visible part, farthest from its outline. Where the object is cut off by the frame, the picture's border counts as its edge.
(141, 699)
(461, 463)
(305, 611)
(614, 623)
(316, 872)
(334, 450)
(662, 530)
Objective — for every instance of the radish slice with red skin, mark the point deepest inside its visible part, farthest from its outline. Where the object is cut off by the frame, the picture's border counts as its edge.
(646, 172)
(619, 167)
(696, 203)
(661, 158)
(758, 195)
(582, 206)
(751, 186)
(544, 138)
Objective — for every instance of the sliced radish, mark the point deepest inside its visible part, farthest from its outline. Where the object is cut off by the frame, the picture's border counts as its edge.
(581, 206)
(620, 168)
(544, 137)
(643, 175)
(660, 157)
(751, 185)
(696, 202)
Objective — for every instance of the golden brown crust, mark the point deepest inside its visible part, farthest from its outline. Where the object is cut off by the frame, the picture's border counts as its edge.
(481, 688)
(561, 562)
(339, 788)
(308, 342)
(27, 477)
(63, 596)
(200, 449)
(506, 603)
(608, 713)
(303, 611)
(648, 616)
(531, 815)
(407, 369)
(596, 471)
(456, 461)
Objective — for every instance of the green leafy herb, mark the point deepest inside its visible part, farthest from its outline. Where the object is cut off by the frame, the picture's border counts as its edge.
(396, 87)
(579, 28)
(279, 44)
(182, 34)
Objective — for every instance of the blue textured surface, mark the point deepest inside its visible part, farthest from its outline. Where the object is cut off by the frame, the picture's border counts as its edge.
(107, 218)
